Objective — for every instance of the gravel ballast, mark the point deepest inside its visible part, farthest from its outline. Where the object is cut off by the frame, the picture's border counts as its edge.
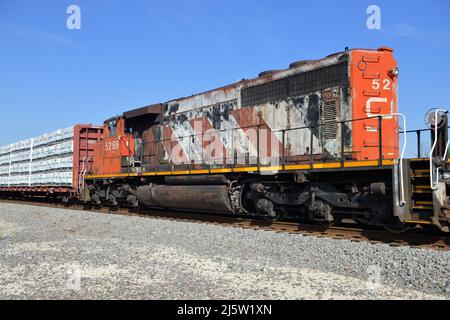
(48, 253)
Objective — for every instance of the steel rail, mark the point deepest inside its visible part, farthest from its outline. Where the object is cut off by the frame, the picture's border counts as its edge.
(345, 231)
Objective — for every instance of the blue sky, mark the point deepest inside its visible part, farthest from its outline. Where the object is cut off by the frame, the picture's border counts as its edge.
(133, 53)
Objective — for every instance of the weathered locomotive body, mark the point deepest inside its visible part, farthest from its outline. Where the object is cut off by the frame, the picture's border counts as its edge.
(290, 142)
(315, 111)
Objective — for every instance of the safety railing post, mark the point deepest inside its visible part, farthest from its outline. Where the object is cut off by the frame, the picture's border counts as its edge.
(258, 140)
(283, 140)
(191, 153)
(419, 153)
(311, 143)
(342, 144)
(380, 139)
(202, 150)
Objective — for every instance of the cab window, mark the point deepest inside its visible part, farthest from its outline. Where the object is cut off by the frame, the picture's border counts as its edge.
(112, 128)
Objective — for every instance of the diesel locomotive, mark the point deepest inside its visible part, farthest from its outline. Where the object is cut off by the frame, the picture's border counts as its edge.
(321, 140)
(317, 141)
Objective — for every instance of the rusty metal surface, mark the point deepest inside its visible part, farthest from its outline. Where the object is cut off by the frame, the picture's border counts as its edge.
(219, 109)
(85, 137)
(224, 110)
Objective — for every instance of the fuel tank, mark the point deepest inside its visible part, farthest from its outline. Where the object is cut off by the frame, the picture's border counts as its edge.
(194, 197)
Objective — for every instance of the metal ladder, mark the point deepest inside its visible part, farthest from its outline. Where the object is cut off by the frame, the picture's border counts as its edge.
(421, 192)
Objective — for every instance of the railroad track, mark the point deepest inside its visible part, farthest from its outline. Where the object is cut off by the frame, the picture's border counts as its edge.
(434, 240)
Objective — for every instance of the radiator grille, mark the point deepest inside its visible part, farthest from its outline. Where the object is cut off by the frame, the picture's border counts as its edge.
(324, 78)
(265, 92)
(303, 83)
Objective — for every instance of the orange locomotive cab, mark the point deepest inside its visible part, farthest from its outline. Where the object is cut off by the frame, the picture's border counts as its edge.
(114, 154)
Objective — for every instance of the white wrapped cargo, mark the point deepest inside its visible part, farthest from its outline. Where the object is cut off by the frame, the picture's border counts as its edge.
(46, 160)
(56, 163)
(3, 170)
(4, 159)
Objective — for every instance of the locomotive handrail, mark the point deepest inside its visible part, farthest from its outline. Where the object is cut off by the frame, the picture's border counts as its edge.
(400, 162)
(81, 173)
(275, 131)
(446, 150)
(433, 184)
(280, 130)
(403, 202)
(283, 131)
(443, 158)
(419, 139)
(288, 129)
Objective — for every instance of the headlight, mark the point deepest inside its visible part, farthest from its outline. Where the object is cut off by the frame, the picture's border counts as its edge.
(395, 72)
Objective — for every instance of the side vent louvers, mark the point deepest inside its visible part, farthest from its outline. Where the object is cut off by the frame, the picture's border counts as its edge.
(330, 126)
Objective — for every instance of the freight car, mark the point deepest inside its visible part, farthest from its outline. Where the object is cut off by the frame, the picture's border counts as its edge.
(51, 165)
(318, 141)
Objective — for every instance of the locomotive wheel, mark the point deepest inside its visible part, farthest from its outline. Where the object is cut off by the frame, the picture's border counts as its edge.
(322, 213)
(264, 207)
